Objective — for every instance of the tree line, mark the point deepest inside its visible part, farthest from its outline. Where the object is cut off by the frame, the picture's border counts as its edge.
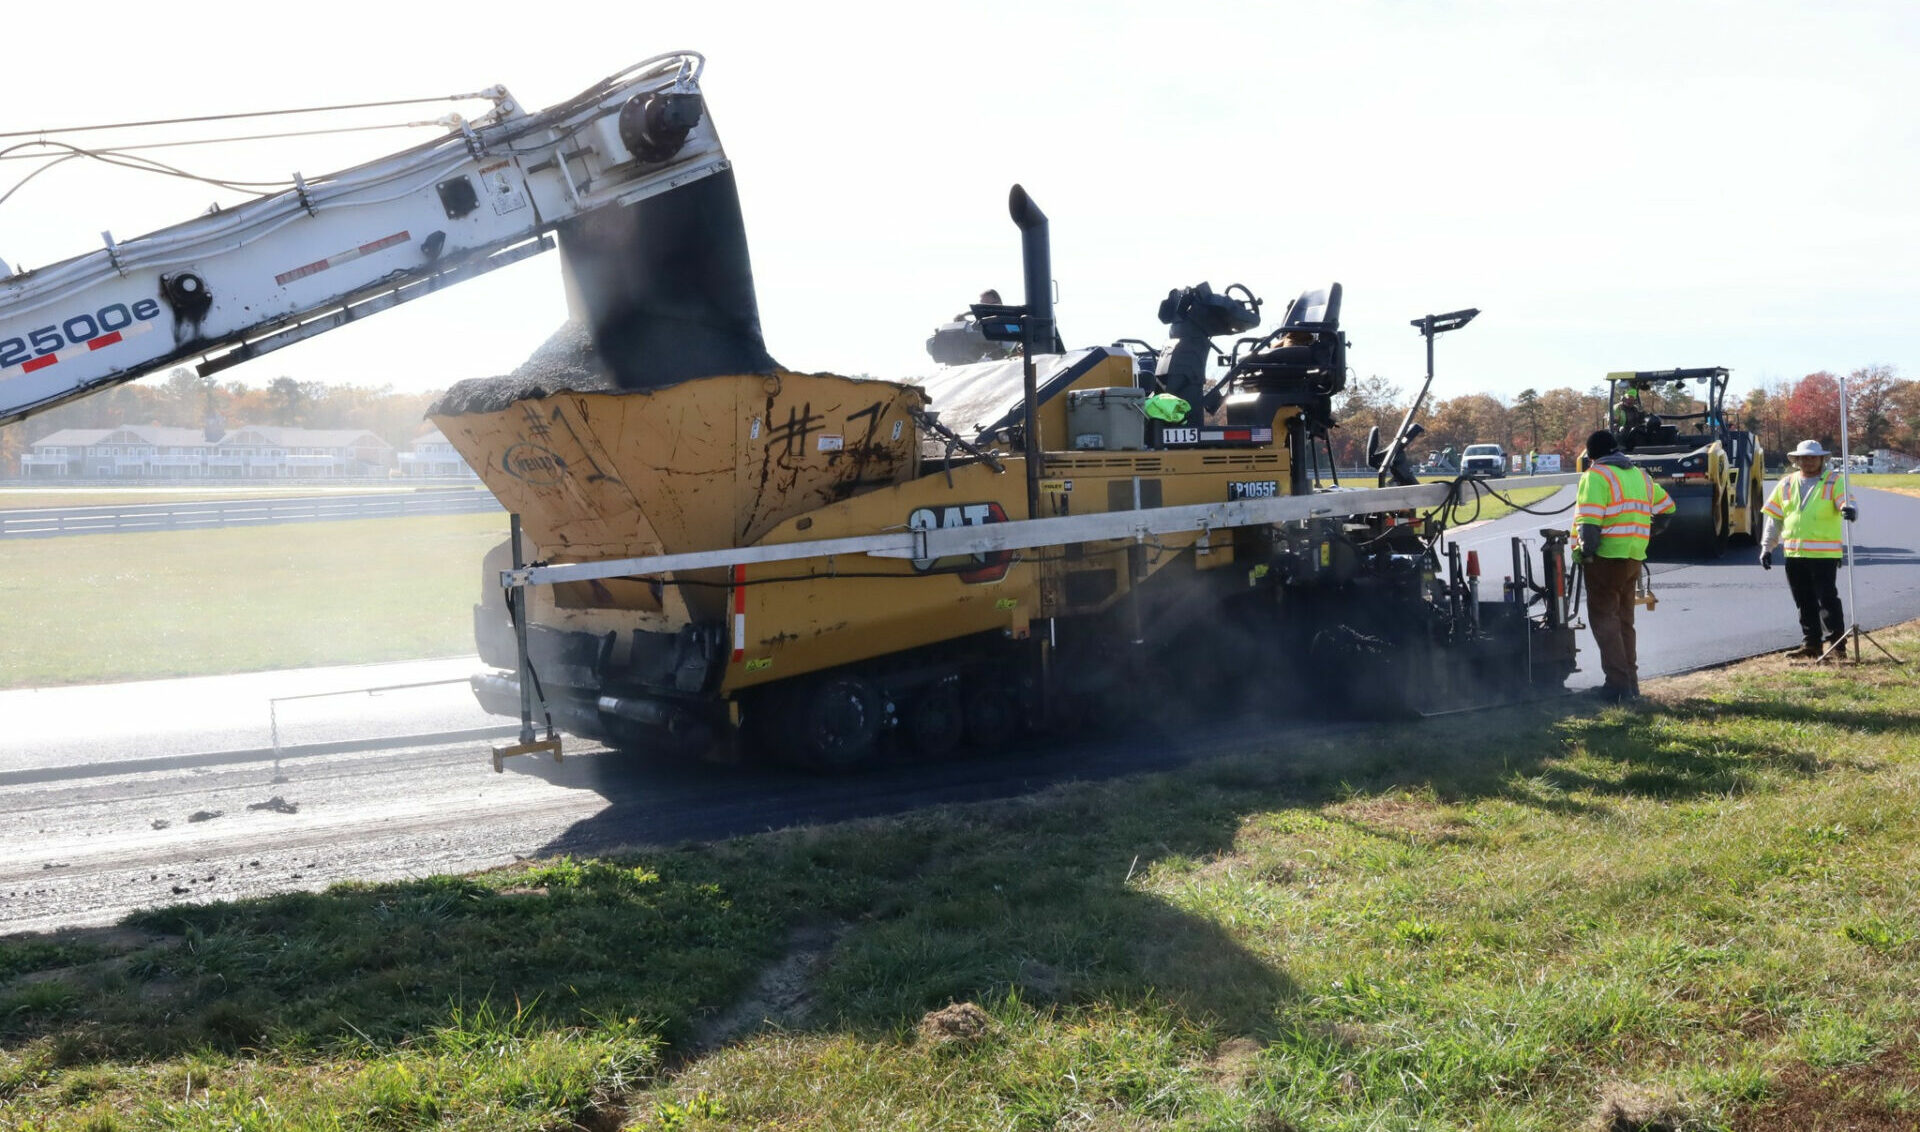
(1883, 411)
(184, 399)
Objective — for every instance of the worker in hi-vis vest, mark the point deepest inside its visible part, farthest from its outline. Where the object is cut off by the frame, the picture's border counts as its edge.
(1618, 508)
(1805, 511)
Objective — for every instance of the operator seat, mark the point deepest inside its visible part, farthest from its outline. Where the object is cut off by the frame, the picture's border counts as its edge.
(1307, 355)
(1303, 363)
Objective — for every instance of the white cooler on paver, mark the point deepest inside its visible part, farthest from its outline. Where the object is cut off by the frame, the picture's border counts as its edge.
(1109, 419)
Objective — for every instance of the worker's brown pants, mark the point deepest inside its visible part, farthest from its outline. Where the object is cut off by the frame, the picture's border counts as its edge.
(1610, 585)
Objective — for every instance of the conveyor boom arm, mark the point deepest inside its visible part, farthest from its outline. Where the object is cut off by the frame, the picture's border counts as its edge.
(239, 282)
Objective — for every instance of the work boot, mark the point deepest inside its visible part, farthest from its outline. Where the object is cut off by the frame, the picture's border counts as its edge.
(1838, 645)
(1811, 648)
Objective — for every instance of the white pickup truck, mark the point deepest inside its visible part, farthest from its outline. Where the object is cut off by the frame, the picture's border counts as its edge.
(1483, 460)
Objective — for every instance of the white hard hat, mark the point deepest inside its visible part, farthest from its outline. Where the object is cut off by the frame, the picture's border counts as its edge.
(1809, 448)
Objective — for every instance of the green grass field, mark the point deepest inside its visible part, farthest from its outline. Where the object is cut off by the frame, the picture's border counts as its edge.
(1904, 484)
(1694, 914)
(86, 609)
(1480, 505)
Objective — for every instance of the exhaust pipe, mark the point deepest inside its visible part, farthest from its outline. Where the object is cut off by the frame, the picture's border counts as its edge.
(1036, 260)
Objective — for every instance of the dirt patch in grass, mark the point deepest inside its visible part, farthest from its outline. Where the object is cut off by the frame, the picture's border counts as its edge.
(961, 1023)
(1234, 1062)
(1398, 817)
(1882, 1094)
(781, 996)
(1639, 1108)
(62, 954)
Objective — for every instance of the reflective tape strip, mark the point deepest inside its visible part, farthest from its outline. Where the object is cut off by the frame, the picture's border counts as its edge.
(338, 258)
(1840, 492)
(97, 342)
(1629, 507)
(739, 613)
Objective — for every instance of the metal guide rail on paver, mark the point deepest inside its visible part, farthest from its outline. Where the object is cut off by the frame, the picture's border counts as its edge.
(1023, 534)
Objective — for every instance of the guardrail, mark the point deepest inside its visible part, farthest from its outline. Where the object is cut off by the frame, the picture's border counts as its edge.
(48, 522)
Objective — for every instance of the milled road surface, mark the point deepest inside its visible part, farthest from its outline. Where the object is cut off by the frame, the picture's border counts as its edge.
(130, 796)
(89, 848)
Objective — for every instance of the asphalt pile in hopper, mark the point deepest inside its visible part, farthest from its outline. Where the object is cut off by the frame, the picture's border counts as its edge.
(565, 361)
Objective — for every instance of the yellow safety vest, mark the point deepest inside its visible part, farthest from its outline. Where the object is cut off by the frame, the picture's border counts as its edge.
(1809, 514)
(1623, 506)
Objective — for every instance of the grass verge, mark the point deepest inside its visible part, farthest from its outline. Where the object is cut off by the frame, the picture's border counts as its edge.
(141, 606)
(1904, 484)
(1478, 505)
(1697, 913)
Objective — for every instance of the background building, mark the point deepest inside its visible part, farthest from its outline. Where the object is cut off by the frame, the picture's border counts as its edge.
(433, 455)
(245, 452)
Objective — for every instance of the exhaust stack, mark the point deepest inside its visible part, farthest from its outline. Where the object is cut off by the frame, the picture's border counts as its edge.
(1036, 260)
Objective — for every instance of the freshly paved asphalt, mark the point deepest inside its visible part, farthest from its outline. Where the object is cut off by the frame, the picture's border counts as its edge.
(1711, 611)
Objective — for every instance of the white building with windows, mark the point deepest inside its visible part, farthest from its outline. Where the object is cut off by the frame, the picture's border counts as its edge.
(433, 455)
(61, 453)
(246, 452)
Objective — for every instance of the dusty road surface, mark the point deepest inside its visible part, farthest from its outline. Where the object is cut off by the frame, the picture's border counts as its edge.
(88, 848)
(101, 841)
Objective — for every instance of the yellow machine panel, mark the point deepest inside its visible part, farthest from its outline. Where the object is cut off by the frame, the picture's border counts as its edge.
(793, 618)
(615, 474)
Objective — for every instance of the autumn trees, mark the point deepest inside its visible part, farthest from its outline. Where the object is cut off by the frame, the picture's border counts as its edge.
(1883, 412)
(1557, 420)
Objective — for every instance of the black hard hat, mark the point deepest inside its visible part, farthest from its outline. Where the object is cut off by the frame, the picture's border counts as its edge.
(1600, 444)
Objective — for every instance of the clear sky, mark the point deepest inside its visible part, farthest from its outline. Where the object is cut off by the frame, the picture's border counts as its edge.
(1618, 185)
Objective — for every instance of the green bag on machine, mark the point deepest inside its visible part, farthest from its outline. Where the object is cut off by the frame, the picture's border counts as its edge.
(1166, 407)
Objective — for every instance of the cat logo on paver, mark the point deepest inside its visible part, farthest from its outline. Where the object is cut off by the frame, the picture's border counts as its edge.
(973, 569)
